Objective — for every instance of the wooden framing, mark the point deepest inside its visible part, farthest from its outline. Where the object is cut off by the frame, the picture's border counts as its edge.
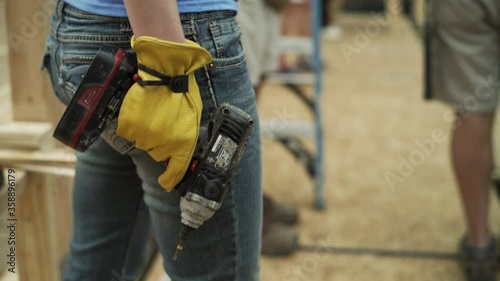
(26, 135)
(27, 28)
(44, 208)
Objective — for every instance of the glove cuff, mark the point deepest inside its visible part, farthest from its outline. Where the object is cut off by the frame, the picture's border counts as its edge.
(170, 58)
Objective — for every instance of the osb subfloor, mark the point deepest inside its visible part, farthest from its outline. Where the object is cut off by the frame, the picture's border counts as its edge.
(374, 118)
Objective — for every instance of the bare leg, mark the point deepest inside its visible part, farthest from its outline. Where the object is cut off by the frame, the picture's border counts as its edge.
(473, 163)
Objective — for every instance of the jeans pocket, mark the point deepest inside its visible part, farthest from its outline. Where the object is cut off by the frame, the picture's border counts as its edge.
(227, 48)
(73, 69)
(66, 72)
(229, 80)
(120, 144)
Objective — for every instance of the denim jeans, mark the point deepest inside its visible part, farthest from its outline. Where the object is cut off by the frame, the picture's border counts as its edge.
(112, 190)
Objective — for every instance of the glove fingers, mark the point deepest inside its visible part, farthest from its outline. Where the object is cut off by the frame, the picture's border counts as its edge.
(174, 127)
(163, 123)
(176, 169)
(128, 114)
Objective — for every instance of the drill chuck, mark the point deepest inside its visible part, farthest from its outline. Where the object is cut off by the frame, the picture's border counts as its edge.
(195, 210)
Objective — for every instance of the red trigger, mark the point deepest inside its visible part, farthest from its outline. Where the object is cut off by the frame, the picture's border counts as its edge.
(193, 165)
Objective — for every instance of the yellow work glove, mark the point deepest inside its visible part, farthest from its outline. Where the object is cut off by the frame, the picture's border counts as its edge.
(161, 112)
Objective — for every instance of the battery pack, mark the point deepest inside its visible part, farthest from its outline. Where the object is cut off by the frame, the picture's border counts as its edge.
(98, 98)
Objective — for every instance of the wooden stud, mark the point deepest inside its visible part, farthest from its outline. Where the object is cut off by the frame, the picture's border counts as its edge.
(26, 135)
(44, 222)
(56, 157)
(27, 28)
(34, 250)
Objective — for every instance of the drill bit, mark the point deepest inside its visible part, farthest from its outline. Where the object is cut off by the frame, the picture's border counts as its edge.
(180, 245)
(183, 236)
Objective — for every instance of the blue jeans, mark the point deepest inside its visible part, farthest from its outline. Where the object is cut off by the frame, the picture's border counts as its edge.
(113, 190)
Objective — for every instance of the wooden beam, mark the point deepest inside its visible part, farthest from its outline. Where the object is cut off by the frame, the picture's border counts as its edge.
(56, 157)
(27, 29)
(47, 170)
(44, 223)
(26, 135)
(34, 251)
(20, 180)
(419, 13)
(3, 50)
(5, 103)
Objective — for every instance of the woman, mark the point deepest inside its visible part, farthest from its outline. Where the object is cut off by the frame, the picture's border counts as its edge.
(110, 187)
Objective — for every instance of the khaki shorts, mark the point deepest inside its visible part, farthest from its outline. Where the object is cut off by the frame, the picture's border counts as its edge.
(260, 26)
(463, 54)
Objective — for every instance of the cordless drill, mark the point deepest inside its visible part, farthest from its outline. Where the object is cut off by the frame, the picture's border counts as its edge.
(218, 152)
(220, 145)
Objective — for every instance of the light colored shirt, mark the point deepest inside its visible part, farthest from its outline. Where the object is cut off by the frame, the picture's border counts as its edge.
(116, 8)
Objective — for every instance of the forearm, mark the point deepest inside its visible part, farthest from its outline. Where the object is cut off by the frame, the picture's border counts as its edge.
(156, 18)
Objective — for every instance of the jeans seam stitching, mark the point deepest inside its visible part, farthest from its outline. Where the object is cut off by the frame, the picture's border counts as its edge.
(205, 69)
(233, 64)
(94, 39)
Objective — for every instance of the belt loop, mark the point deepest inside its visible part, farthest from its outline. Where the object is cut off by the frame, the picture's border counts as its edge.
(194, 29)
(59, 9)
(59, 14)
(125, 25)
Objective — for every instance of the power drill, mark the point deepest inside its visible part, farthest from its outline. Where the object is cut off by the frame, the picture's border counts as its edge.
(218, 152)
(220, 146)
